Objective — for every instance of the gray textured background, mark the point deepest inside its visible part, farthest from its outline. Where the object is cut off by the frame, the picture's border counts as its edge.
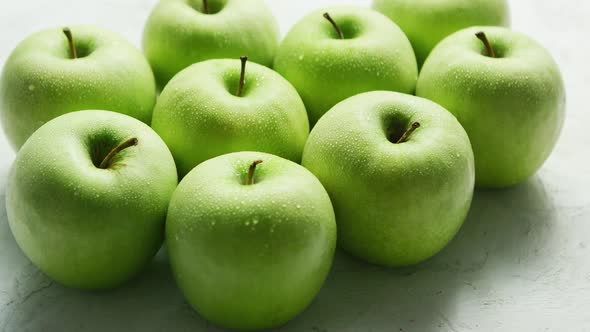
(520, 263)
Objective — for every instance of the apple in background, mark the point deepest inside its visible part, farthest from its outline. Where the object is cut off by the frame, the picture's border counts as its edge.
(334, 54)
(507, 92)
(220, 106)
(57, 71)
(427, 22)
(399, 170)
(181, 32)
(251, 238)
(87, 196)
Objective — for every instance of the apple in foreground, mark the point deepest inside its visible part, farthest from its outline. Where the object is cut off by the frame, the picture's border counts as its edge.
(251, 238)
(334, 54)
(220, 106)
(180, 33)
(427, 22)
(507, 92)
(399, 170)
(87, 198)
(58, 71)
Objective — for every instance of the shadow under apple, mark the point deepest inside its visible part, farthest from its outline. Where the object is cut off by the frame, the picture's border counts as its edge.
(503, 237)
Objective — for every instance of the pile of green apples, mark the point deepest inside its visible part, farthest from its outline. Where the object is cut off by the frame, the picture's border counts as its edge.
(411, 105)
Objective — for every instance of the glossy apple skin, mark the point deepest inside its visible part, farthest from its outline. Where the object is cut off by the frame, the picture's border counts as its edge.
(395, 204)
(200, 117)
(375, 55)
(512, 107)
(250, 257)
(40, 82)
(427, 22)
(178, 34)
(83, 226)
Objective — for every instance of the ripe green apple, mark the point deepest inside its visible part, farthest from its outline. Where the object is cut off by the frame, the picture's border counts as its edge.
(181, 32)
(251, 238)
(427, 22)
(345, 51)
(399, 170)
(87, 198)
(512, 105)
(50, 74)
(201, 114)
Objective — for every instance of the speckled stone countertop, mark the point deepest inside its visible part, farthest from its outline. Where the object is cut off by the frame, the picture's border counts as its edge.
(520, 263)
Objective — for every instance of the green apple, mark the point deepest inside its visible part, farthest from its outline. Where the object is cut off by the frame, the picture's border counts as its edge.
(219, 106)
(400, 172)
(427, 22)
(251, 238)
(181, 32)
(87, 196)
(511, 105)
(57, 71)
(334, 54)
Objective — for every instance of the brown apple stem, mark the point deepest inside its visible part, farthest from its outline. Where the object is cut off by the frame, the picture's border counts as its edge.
(250, 179)
(336, 27)
(408, 132)
(205, 6)
(244, 59)
(482, 36)
(70, 37)
(106, 162)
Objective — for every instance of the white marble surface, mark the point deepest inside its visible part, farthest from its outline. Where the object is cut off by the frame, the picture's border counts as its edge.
(520, 263)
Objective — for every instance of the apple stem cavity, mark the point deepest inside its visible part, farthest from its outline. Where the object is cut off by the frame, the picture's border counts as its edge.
(408, 132)
(244, 59)
(106, 162)
(482, 36)
(336, 27)
(251, 170)
(205, 6)
(68, 33)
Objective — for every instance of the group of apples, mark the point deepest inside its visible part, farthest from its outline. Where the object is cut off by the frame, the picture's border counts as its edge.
(250, 233)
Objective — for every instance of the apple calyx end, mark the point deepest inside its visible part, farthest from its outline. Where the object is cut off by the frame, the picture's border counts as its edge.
(482, 36)
(408, 132)
(68, 32)
(106, 162)
(336, 27)
(251, 170)
(243, 59)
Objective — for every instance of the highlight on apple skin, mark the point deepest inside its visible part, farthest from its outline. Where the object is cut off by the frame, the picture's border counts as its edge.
(220, 106)
(251, 239)
(427, 22)
(373, 54)
(87, 196)
(400, 173)
(179, 33)
(43, 78)
(511, 104)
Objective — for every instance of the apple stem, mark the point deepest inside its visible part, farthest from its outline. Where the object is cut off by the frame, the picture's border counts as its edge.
(244, 59)
(107, 160)
(336, 27)
(408, 132)
(250, 179)
(205, 7)
(70, 37)
(482, 36)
